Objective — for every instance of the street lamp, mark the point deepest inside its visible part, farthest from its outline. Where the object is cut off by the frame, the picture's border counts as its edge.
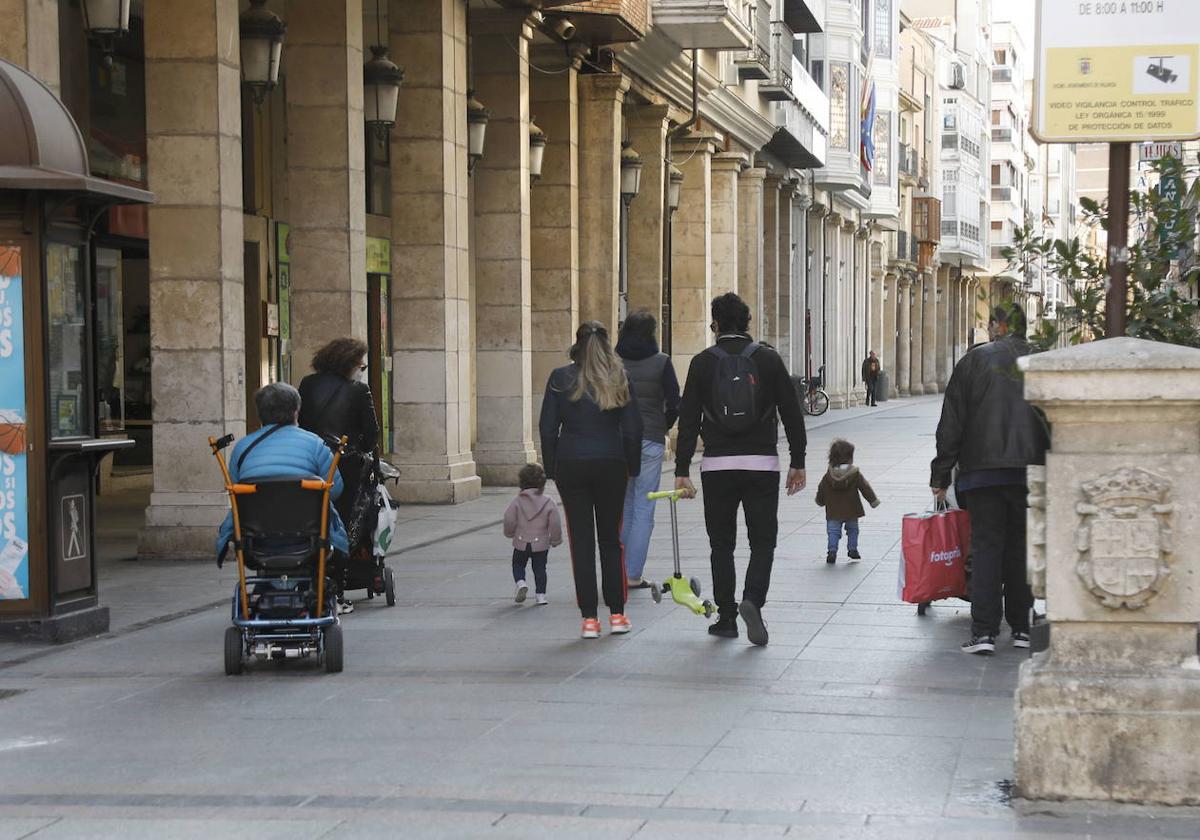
(631, 182)
(381, 90)
(537, 151)
(674, 184)
(477, 121)
(105, 21)
(261, 34)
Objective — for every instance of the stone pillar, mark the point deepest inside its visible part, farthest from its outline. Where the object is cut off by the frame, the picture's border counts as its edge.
(751, 239)
(904, 337)
(768, 325)
(29, 38)
(889, 340)
(929, 337)
(554, 219)
(326, 187)
(816, 287)
(916, 342)
(1110, 711)
(503, 343)
(601, 96)
(647, 213)
(691, 277)
(198, 359)
(800, 279)
(860, 330)
(786, 271)
(431, 323)
(725, 170)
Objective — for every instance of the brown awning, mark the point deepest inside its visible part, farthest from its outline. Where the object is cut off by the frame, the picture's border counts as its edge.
(41, 147)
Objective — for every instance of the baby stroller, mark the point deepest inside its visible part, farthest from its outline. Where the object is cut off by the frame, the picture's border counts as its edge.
(365, 569)
(281, 533)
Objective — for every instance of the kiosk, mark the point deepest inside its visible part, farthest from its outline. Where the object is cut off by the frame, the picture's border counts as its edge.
(49, 449)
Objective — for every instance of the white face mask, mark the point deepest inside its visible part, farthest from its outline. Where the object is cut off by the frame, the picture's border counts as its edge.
(364, 374)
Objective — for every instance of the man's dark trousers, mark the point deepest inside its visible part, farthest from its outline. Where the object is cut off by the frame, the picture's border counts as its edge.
(872, 385)
(998, 558)
(758, 494)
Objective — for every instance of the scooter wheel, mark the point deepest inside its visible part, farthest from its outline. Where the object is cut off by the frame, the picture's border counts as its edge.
(656, 593)
(233, 651)
(708, 609)
(695, 584)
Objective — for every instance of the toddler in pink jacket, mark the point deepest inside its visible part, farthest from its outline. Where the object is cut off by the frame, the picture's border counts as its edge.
(533, 525)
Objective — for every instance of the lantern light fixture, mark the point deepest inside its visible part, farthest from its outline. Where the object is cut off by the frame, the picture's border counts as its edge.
(674, 184)
(105, 21)
(477, 122)
(381, 90)
(261, 33)
(631, 172)
(537, 151)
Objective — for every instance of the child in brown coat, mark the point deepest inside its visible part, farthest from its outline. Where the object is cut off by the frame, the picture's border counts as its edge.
(533, 525)
(839, 493)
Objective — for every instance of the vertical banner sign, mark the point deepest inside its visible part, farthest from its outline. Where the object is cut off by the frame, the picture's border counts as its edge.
(1110, 71)
(14, 477)
(283, 262)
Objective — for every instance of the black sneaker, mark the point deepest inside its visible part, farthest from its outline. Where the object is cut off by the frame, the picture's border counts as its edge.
(854, 555)
(725, 627)
(831, 557)
(756, 628)
(984, 645)
(1020, 640)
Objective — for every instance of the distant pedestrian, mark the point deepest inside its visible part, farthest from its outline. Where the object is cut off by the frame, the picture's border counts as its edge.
(532, 523)
(870, 375)
(841, 492)
(656, 389)
(992, 434)
(591, 433)
(736, 392)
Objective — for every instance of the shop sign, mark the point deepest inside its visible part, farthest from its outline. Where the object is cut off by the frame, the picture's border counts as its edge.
(1148, 153)
(1111, 71)
(379, 256)
(14, 476)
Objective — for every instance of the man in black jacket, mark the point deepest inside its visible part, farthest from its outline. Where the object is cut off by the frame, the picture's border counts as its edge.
(740, 468)
(870, 376)
(992, 434)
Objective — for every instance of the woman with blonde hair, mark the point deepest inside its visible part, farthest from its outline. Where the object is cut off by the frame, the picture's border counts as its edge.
(591, 434)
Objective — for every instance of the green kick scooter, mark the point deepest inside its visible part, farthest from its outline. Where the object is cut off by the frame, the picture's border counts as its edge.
(685, 593)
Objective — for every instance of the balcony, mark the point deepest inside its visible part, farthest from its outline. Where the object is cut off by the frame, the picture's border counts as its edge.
(804, 15)
(801, 121)
(927, 215)
(1002, 135)
(907, 164)
(1002, 74)
(906, 247)
(1002, 194)
(778, 88)
(969, 146)
(755, 63)
(706, 24)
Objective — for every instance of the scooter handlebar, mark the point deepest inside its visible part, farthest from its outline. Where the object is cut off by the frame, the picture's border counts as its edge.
(673, 495)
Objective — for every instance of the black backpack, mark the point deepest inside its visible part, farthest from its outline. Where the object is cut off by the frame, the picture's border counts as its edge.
(737, 401)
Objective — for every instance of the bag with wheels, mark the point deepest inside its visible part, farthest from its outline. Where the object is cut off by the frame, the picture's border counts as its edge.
(934, 564)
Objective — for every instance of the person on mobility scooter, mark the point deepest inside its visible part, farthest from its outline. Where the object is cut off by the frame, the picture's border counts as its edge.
(282, 524)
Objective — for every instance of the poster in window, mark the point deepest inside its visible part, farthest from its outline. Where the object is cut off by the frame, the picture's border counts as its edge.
(839, 105)
(14, 478)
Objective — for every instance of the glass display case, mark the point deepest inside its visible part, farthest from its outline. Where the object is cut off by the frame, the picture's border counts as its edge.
(69, 403)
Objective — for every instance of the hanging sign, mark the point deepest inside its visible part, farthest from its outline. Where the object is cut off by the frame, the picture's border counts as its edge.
(1111, 71)
(14, 476)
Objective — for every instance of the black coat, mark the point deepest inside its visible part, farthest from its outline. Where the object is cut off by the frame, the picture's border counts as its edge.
(986, 423)
(869, 374)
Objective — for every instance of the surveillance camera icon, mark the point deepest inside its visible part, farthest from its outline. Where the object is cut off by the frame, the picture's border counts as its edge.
(1160, 70)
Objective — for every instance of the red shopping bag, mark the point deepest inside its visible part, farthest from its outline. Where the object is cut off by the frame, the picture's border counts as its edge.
(935, 546)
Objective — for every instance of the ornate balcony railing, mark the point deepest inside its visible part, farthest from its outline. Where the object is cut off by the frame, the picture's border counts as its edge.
(778, 87)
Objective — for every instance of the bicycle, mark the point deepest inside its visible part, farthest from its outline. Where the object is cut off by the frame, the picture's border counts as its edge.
(813, 398)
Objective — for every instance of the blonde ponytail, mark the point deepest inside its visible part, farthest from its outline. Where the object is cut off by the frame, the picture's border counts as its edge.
(601, 373)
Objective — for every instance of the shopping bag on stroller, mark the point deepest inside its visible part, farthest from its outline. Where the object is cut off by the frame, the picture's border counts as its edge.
(934, 564)
(385, 521)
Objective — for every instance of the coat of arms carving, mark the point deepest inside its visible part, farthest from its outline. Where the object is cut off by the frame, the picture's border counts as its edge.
(1124, 540)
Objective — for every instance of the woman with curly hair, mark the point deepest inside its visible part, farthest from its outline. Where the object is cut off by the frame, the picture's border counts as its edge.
(591, 433)
(336, 401)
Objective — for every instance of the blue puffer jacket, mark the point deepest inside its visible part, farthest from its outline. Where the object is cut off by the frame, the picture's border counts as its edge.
(290, 452)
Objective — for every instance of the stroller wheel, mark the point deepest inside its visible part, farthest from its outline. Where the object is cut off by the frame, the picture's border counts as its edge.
(695, 584)
(922, 608)
(370, 593)
(333, 648)
(233, 651)
(389, 586)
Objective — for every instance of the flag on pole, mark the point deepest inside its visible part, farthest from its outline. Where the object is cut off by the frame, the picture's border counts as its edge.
(868, 131)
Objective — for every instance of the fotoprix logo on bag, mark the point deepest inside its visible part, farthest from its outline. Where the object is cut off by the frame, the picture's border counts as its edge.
(947, 557)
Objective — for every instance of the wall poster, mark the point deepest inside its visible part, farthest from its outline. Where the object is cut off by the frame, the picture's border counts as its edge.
(14, 477)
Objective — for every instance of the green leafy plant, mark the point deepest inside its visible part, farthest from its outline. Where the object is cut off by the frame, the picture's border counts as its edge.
(1161, 304)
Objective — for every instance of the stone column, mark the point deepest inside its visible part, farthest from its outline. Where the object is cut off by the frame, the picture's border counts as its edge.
(800, 279)
(601, 96)
(29, 38)
(786, 273)
(768, 324)
(816, 287)
(916, 342)
(861, 331)
(198, 359)
(647, 213)
(431, 323)
(904, 337)
(691, 278)
(1110, 711)
(326, 187)
(725, 170)
(554, 219)
(929, 336)
(751, 240)
(889, 341)
(503, 344)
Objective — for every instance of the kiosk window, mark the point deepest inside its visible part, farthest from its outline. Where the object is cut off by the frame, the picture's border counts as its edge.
(66, 311)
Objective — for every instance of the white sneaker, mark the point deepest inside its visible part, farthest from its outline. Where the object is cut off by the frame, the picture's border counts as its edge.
(345, 607)
(522, 591)
(541, 600)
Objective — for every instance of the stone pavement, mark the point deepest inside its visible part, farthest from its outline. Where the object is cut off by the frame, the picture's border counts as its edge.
(461, 714)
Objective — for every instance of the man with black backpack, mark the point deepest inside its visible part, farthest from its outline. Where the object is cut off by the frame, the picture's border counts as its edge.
(736, 393)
